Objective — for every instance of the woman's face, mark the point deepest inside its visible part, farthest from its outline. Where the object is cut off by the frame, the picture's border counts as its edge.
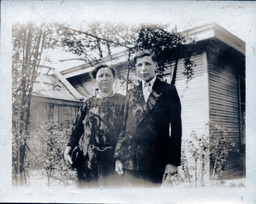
(105, 79)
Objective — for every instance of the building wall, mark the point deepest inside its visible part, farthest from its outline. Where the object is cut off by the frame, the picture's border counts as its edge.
(47, 110)
(52, 110)
(224, 103)
(194, 96)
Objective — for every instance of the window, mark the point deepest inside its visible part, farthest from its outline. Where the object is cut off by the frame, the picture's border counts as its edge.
(50, 112)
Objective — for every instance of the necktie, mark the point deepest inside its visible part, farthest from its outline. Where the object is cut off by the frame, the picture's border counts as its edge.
(147, 90)
(147, 86)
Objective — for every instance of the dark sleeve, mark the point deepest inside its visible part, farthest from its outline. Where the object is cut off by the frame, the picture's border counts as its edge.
(119, 146)
(78, 127)
(122, 139)
(174, 142)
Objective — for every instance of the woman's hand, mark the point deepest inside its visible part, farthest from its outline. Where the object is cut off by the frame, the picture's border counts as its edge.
(67, 155)
(119, 168)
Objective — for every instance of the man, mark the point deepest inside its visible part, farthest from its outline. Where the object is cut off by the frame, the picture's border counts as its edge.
(150, 145)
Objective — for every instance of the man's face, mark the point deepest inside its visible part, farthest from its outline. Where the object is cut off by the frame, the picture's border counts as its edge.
(145, 68)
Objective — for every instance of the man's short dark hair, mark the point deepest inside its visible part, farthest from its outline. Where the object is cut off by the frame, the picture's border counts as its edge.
(95, 71)
(144, 53)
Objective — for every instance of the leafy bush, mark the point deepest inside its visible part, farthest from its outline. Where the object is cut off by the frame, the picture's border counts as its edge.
(199, 150)
(53, 138)
(220, 147)
(214, 148)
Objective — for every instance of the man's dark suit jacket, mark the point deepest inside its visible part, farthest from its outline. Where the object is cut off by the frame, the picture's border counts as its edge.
(146, 144)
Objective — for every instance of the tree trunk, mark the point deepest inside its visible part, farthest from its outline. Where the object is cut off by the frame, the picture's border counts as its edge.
(202, 171)
(195, 172)
(128, 70)
(28, 75)
(175, 69)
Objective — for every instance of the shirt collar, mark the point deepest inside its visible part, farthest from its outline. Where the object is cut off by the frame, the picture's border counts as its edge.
(151, 82)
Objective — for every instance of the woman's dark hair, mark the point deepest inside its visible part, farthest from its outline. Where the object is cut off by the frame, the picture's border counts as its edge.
(94, 72)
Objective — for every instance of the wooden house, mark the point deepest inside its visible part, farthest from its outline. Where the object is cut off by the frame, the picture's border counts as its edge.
(216, 93)
(53, 100)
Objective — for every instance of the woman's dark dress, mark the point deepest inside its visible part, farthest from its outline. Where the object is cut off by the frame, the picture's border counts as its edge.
(96, 130)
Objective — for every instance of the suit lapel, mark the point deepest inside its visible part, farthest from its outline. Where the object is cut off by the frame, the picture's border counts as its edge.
(155, 95)
(153, 99)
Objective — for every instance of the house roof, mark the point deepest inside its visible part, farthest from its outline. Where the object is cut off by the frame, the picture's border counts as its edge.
(213, 30)
(204, 32)
(53, 86)
(85, 68)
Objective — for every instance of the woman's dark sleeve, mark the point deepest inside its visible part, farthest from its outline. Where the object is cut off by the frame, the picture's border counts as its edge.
(78, 127)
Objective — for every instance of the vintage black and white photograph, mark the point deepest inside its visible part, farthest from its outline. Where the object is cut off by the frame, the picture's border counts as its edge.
(127, 102)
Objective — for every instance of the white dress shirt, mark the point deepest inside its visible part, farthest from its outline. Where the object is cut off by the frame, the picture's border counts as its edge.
(147, 88)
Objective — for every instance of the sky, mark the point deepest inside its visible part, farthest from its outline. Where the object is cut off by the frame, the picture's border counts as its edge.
(238, 17)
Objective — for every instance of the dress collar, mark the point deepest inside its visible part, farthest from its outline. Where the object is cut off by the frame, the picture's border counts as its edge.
(99, 96)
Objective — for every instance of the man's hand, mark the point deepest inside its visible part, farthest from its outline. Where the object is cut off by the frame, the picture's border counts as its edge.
(119, 168)
(170, 174)
(171, 169)
(67, 155)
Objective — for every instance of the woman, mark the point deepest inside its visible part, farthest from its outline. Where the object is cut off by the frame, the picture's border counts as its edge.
(96, 130)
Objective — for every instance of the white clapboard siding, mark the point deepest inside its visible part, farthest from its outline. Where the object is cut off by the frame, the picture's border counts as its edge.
(224, 105)
(194, 102)
(192, 96)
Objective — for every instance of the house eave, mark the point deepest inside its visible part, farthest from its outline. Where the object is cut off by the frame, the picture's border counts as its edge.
(86, 68)
(63, 101)
(200, 33)
(213, 30)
